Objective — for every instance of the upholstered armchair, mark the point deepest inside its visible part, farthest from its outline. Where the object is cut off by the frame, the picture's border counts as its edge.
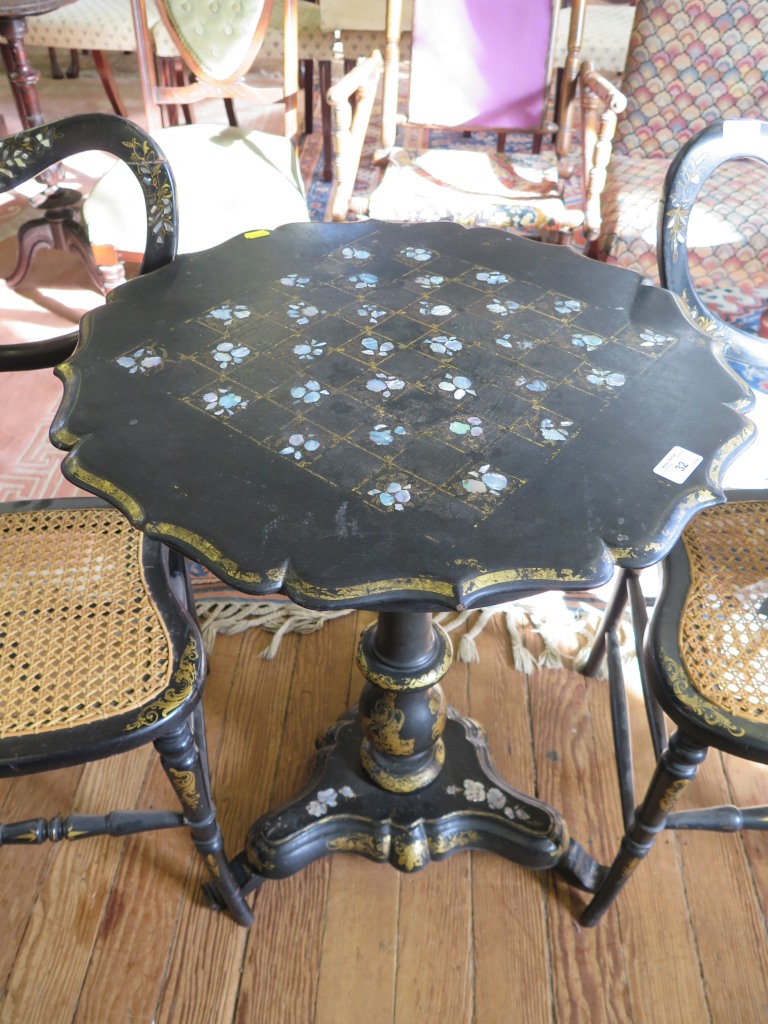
(690, 63)
(228, 179)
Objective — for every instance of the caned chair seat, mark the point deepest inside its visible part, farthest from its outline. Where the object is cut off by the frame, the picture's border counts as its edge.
(714, 667)
(514, 190)
(703, 657)
(99, 654)
(83, 648)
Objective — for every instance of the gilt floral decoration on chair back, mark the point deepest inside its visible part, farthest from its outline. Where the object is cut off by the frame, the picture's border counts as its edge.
(689, 63)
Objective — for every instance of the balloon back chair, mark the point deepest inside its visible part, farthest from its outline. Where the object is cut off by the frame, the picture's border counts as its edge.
(474, 66)
(690, 63)
(744, 143)
(229, 179)
(100, 650)
(703, 657)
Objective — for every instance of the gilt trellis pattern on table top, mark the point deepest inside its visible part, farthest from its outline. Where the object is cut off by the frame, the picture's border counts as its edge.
(409, 379)
(431, 375)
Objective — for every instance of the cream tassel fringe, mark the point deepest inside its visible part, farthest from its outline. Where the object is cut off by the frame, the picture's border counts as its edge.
(278, 617)
(563, 633)
(467, 651)
(522, 659)
(585, 636)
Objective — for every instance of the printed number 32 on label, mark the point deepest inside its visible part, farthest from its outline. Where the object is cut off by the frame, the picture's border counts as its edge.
(677, 465)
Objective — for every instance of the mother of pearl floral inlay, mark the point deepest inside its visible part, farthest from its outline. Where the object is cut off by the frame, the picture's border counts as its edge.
(394, 492)
(476, 793)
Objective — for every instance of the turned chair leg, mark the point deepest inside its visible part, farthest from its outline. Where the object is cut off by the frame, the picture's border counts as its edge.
(184, 758)
(676, 767)
(108, 82)
(53, 59)
(306, 82)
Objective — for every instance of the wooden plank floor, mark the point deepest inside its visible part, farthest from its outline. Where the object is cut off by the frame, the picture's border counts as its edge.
(108, 931)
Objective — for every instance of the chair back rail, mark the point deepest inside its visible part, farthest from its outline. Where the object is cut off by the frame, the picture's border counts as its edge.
(460, 78)
(731, 139)
(26, 154)
(466, 48)
(217, 51)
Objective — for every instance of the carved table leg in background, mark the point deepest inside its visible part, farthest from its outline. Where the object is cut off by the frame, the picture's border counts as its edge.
(22, 77)
(57, 228)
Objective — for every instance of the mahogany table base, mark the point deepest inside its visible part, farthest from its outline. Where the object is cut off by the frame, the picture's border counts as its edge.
(403, 779)
(56, 229)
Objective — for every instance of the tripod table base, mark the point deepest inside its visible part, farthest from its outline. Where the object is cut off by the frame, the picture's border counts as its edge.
(467, 807)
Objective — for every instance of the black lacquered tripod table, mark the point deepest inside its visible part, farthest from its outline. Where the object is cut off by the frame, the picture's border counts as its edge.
(405, 418)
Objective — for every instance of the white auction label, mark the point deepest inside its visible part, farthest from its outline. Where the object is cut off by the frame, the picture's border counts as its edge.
(678, 464)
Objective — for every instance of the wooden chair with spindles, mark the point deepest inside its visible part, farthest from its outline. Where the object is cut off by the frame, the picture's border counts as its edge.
(462, 78)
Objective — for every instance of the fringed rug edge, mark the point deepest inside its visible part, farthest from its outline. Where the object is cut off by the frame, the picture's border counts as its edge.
(565, 625)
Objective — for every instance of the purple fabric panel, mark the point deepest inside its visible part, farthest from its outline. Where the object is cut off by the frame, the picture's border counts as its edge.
(479, 62)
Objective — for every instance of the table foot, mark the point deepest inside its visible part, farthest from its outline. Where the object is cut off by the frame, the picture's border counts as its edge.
(468, 807)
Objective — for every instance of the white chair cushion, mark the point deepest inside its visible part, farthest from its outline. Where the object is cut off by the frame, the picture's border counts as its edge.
(473, 187)
(228, 181)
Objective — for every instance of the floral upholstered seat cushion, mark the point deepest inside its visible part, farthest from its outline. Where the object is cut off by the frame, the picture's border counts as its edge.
(88, 25)
(472, 187)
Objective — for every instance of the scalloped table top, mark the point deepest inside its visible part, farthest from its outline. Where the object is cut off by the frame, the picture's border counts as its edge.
(379, 415)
